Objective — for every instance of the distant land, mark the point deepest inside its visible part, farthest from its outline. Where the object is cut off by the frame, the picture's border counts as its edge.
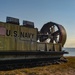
(69, 47)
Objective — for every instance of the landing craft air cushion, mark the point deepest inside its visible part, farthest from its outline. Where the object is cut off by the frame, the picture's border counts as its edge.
(20, 42)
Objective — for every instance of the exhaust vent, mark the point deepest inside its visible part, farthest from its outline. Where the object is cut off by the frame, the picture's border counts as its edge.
(28, 24)
(12, 20)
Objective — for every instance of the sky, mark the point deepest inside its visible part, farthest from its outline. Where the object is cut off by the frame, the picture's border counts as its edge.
(41, 12)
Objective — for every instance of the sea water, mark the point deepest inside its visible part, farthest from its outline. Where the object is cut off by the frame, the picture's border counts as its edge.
(70, 50)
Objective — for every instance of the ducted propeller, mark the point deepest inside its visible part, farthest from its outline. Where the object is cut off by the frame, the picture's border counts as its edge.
(52, 33)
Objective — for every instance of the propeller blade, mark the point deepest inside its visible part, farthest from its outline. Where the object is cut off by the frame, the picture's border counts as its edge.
(51, 41)
(55, 33)
(49, 32)
(52, 29)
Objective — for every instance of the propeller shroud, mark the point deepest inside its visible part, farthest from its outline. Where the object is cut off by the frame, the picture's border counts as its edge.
(52, 33)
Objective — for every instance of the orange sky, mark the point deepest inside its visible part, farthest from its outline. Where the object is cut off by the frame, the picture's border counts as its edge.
(70, 42)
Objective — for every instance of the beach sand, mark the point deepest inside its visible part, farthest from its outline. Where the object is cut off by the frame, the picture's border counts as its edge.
(57, 69)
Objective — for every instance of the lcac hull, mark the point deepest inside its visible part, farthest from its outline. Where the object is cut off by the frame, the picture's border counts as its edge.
(13, 60)
(8, 56)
